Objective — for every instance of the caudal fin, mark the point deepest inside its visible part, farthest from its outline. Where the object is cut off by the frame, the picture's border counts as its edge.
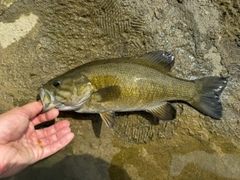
(208, 101)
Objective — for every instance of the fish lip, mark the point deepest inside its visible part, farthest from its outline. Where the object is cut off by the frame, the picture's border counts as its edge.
(42, 94)
(47, 105)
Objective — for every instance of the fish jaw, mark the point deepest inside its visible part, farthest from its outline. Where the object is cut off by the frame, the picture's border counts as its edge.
(75, 106)
(51, 100)
(48, 100)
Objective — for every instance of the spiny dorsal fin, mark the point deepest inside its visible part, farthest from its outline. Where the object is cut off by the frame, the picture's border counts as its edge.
(160, 60)
(108, 118)
(164, 111)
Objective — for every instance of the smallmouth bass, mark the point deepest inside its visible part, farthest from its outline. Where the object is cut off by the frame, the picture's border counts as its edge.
(131, 84)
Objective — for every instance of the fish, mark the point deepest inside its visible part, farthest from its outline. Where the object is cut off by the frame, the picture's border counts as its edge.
(142, 83)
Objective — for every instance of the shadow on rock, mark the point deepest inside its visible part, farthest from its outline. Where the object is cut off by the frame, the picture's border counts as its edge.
(95, 118)
(97, 121)
(81, 167)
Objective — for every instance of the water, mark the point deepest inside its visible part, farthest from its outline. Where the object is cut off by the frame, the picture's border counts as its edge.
(57, 36)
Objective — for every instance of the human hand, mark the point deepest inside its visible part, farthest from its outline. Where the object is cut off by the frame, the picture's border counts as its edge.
(22, 145)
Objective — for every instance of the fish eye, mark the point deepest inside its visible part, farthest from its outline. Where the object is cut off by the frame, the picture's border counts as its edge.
(56, 83)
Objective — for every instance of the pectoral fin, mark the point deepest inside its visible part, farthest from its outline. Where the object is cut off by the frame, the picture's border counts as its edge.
(165, 111)
(109, 93)
(109, 119)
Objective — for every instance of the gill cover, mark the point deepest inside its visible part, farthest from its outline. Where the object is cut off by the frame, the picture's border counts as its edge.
(66, 93)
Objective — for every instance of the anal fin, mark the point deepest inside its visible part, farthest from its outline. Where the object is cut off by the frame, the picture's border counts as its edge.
(164, 111)
(109, 119)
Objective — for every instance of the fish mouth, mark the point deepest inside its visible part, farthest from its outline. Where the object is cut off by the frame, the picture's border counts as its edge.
(48, 100)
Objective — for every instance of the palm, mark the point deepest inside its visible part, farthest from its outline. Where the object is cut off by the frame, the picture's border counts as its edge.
(21, 144)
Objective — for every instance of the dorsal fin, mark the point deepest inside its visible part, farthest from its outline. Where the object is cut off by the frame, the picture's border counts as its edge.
(160, 60)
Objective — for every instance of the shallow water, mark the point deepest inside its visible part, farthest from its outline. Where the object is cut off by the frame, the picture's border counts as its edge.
(41, 39)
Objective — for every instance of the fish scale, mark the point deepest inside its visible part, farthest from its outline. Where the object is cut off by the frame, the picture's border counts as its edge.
(140, 83)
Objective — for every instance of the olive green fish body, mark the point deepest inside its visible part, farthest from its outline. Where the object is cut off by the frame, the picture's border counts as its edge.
(131, 84)
(134, 87)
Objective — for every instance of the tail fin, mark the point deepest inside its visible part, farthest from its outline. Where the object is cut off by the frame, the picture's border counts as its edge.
(209, 102)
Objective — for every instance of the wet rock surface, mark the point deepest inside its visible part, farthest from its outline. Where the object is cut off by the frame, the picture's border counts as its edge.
(42, 39)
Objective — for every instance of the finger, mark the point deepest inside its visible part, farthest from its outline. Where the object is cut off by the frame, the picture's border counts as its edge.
(50, 115)
(42, 133)
(57, 145)
(30, 110)
(55, 137)
(22, 114)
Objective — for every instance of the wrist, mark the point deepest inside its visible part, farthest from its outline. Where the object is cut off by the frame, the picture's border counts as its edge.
(8, 165)
(3, 166)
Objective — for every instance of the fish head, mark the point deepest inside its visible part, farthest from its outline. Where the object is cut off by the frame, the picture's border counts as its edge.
(66, 93)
